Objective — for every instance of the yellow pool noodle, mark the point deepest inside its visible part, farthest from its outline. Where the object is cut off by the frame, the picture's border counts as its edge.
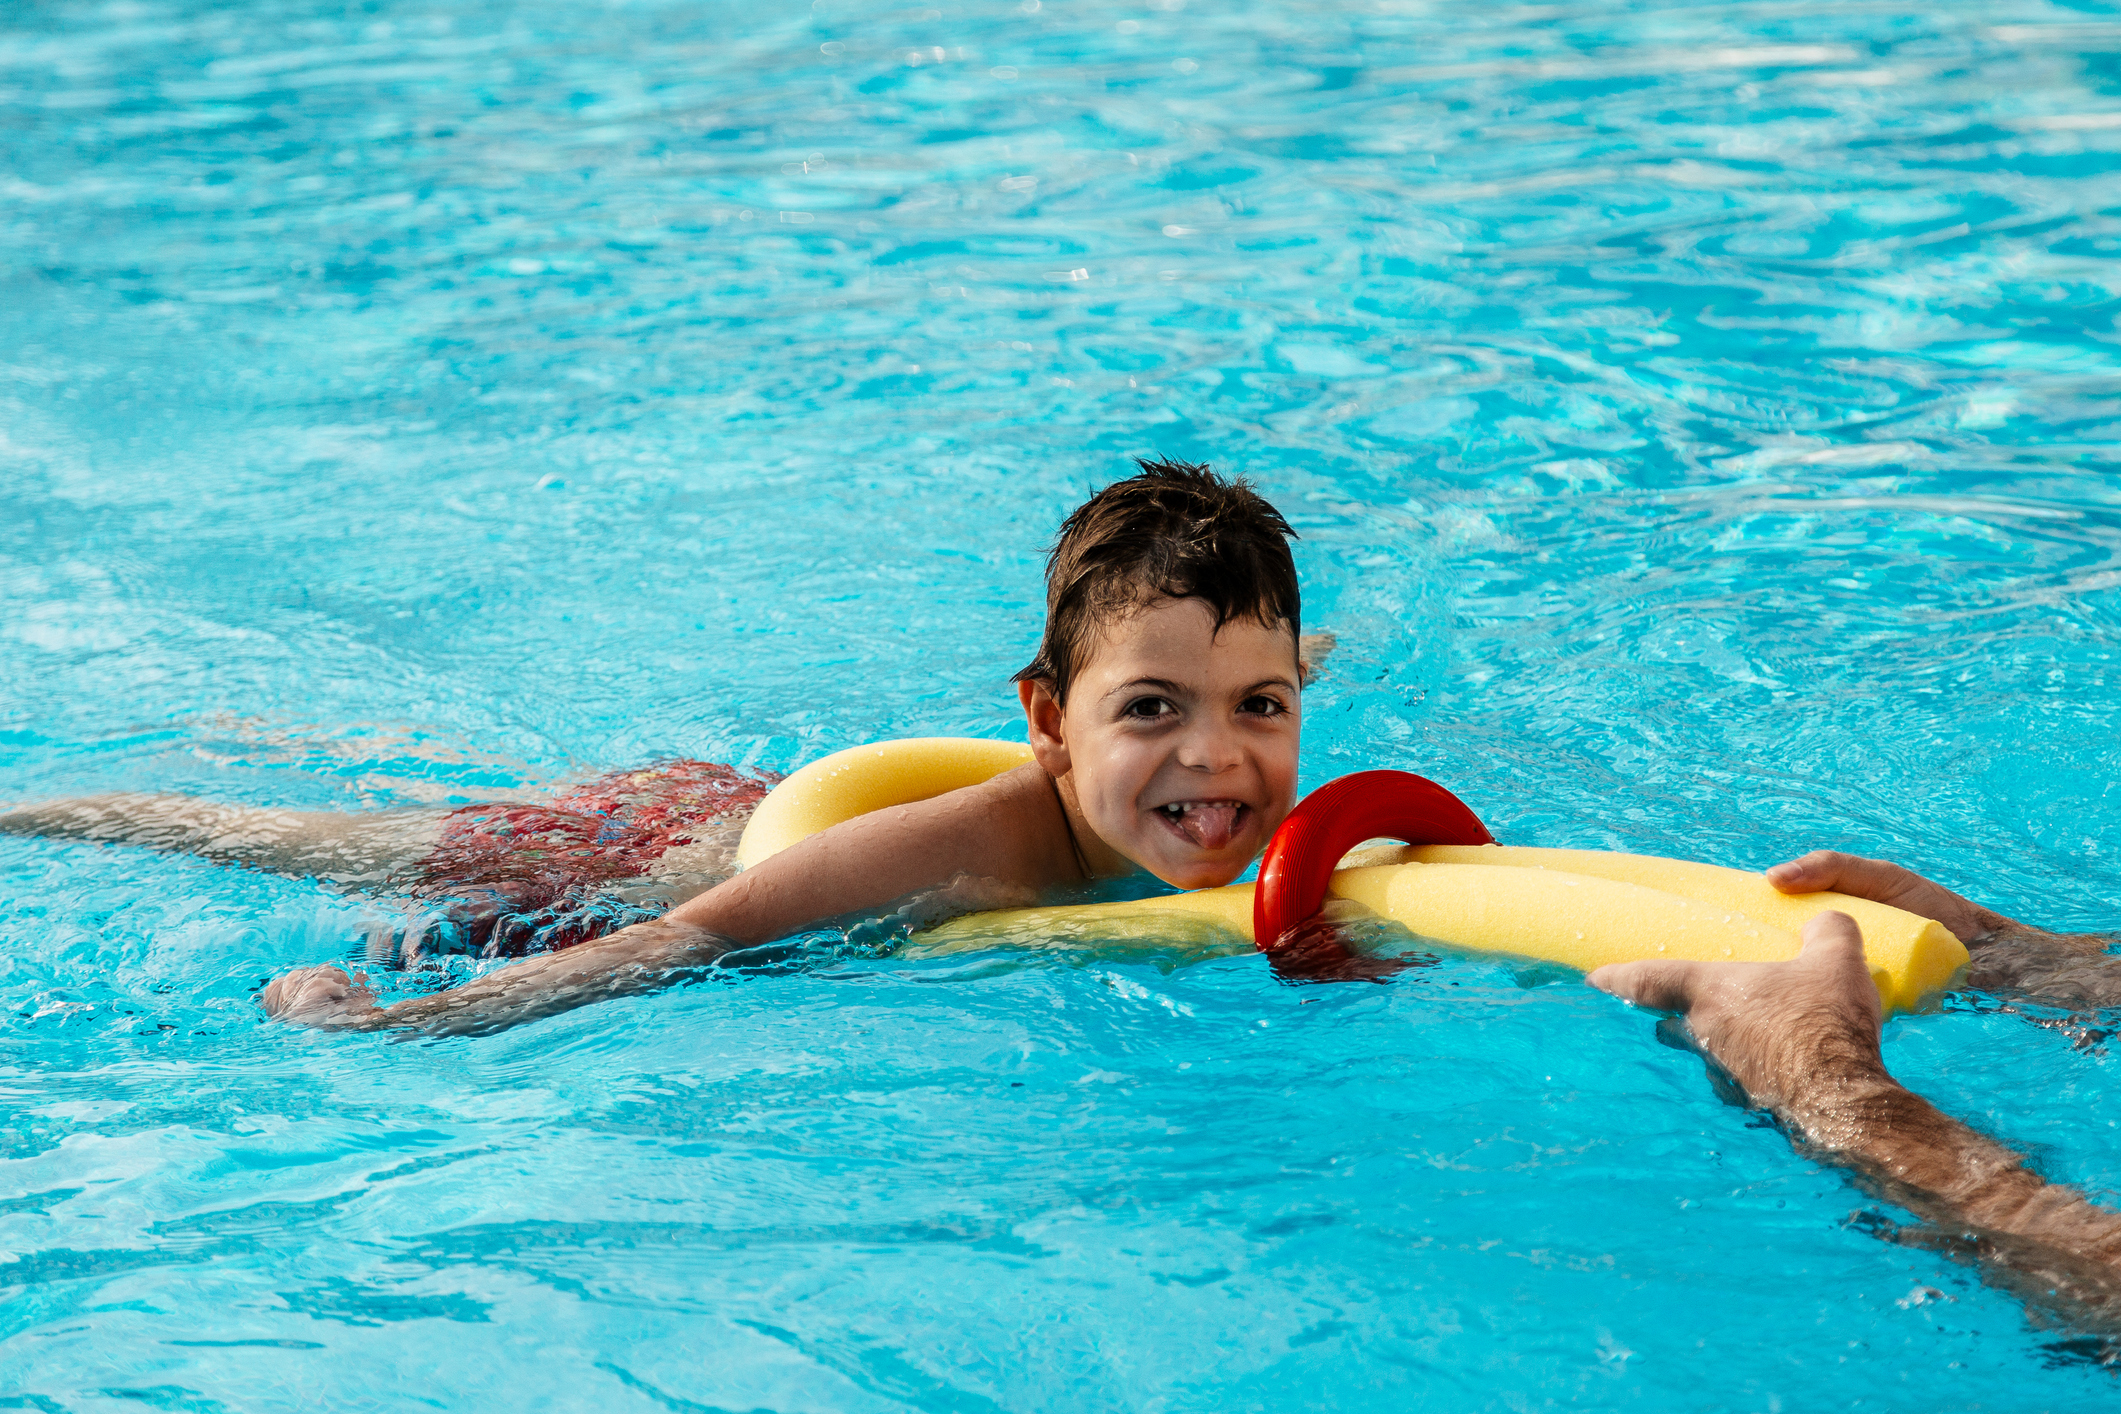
(1614, 908)
(866, 778)
(1920, 953)
(1586, 908)
(1581, 908)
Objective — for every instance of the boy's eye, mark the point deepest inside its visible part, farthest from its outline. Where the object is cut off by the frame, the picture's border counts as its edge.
(1259, 704)
(1147, 708)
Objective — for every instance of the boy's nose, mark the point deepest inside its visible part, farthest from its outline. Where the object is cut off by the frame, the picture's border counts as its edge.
(1211, 749)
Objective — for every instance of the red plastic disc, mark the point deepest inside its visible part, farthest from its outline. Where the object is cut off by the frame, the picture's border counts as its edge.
(1332, 820)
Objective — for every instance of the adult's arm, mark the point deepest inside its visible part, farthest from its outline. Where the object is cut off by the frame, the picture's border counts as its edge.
(1008, 833)
(2060, 969)
(1801, 1040)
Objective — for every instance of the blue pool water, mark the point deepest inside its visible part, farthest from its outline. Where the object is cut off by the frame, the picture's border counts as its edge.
(1702, 424)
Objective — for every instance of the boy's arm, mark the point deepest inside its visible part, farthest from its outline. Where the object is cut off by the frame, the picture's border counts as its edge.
(1801, 1039)
(638, 959)
(2064, 969)
(1010, 829)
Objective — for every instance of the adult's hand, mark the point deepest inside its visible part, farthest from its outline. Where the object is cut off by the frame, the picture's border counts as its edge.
(1801, 1037)
(1852, 874)
(1781, 1029)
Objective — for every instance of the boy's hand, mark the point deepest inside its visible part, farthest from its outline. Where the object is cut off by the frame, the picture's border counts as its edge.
(1874, 879)
(322, 996)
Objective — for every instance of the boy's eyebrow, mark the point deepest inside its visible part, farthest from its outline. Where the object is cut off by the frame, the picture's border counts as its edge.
(1176, 689)
(1165, 684)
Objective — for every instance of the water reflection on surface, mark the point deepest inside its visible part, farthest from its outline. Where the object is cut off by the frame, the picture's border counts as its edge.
(1700, 420)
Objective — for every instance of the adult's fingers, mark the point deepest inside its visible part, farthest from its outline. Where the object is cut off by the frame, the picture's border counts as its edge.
(1833, 946)
(1661, 985)
(1831, 937)
(1827, 869)
(1885, 883)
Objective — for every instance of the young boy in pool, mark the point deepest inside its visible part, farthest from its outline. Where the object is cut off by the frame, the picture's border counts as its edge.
(1164, 708)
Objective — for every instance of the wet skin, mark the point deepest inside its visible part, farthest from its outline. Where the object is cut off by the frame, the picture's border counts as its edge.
(1801, 1040)
(1165, 711)
(1176, 754)
(1176, 749)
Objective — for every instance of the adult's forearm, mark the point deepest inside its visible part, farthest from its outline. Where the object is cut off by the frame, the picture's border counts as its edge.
(1971, 1189)
(1872, 1123)
(1801, 1037)
(2059, 969)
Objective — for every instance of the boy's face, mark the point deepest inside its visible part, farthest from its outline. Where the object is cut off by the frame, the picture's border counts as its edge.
(1178, 743)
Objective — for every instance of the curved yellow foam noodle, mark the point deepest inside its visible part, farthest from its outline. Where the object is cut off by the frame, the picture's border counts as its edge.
(1581, 919)
(1581, 908)
(1204, 920)
(1578, 920)
(1918, 954)
(866, 778)
(1575, 919)
(1204, 915)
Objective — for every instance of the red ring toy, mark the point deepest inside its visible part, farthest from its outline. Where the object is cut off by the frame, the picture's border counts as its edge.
(1332, 820)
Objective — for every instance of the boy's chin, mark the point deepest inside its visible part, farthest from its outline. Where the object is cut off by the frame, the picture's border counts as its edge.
(1198, 873)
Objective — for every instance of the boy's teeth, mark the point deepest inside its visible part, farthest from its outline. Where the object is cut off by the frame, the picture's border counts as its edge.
(1208, 823)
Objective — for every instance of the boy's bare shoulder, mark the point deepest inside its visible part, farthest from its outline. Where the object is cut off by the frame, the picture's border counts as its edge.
(1023, 795)
(1021, 820)
(1012, 826)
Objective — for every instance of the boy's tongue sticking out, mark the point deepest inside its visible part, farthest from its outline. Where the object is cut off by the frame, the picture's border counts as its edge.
(1208, 823)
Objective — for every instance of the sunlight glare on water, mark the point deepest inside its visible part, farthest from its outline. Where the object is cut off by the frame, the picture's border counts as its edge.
(1700, 420)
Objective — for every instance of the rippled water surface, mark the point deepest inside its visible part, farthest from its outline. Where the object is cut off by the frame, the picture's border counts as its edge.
(1701, 421)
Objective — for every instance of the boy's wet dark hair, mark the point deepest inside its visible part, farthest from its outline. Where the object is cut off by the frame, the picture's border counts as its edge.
(1176, 531)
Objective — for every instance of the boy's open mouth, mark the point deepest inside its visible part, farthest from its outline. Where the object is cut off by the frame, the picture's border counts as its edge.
(1210, 824)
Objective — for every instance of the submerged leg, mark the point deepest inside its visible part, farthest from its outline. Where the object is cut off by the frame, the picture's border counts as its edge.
(353, 850)
(500, 878)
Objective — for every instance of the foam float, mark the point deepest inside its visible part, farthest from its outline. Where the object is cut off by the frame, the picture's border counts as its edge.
(1449, 882)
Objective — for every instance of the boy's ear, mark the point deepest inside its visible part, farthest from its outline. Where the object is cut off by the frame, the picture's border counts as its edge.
(1043, 715)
